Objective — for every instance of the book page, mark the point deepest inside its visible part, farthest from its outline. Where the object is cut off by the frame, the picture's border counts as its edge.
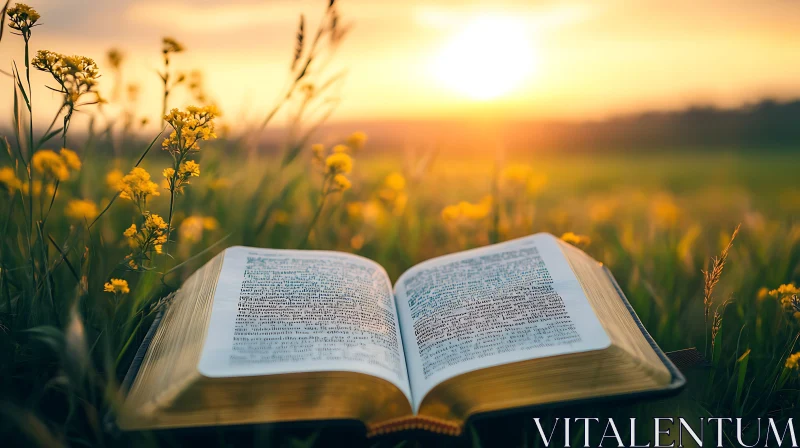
(494, 305)
(285, 311)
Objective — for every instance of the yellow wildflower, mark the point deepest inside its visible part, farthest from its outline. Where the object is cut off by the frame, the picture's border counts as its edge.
(341, 183)
(76, 75)
(475, 211)
(356, 140)
(154, 222)
(71, 159)
(664, 210)
(762, 293)
(339, 163)
(372, 212)
(191, 126)
(395, 181)
(520, 175)
(22, 18)
(137, 186)
(575, 239)
(178, 180)
(130, 231)
(536, 183)
(357, 242)
(789, 296)
(50, 164)
(392, 189)
(151, 236)
(793, 361)
(355, 209)
(210, 223)
(516, 174)
(450, 213)
(9, 180)
(468, 211)
(191, 229)
(340, 148)
(114, 178)
(117, 286)
(81, 209)
(784, 290)
(189, 168)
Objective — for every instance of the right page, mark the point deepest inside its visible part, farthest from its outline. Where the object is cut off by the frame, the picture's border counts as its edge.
(499, 304)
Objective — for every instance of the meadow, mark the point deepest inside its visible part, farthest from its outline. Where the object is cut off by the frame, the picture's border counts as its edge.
(95, 236)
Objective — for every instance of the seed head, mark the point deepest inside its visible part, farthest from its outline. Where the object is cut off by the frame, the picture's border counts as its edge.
(170, 45)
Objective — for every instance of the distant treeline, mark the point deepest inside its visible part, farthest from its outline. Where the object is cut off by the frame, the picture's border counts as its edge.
(767, 124)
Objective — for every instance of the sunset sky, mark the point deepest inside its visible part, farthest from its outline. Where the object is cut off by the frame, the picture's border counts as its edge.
(416, 60)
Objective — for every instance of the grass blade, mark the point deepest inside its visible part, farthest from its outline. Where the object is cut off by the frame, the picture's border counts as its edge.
(3, 19)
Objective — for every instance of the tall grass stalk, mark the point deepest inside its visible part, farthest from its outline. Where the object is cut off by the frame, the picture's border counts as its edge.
(710, 279)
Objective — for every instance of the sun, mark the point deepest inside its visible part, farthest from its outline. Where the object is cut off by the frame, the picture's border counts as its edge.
(489, 57)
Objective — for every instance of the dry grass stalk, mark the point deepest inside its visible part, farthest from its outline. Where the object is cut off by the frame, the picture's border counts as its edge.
(711, 277)
(716, 323)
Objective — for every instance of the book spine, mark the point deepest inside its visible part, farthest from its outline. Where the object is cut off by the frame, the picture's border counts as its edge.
(430, 424)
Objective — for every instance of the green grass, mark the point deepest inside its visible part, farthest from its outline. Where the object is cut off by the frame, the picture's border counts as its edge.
(67, 349)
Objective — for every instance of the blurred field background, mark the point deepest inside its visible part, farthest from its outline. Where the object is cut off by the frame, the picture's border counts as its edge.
(653, 196)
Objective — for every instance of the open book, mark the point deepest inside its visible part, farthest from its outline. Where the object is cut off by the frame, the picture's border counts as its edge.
(268, 335)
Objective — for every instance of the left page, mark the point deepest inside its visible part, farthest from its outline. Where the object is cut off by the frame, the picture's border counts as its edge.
(286, 311)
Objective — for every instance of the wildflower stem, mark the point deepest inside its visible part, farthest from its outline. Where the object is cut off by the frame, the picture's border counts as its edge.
(169, 216)
(313, 222)
(67, 119)
(173, 183)
(46, 136)
(317, 214)
(27, 36)
(166, 84)
(110, 203)
(52, 200)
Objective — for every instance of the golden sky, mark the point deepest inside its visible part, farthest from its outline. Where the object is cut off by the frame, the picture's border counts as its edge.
(407, 59)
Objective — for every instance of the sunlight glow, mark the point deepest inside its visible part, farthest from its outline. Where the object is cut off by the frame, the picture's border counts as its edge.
(489, 57)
